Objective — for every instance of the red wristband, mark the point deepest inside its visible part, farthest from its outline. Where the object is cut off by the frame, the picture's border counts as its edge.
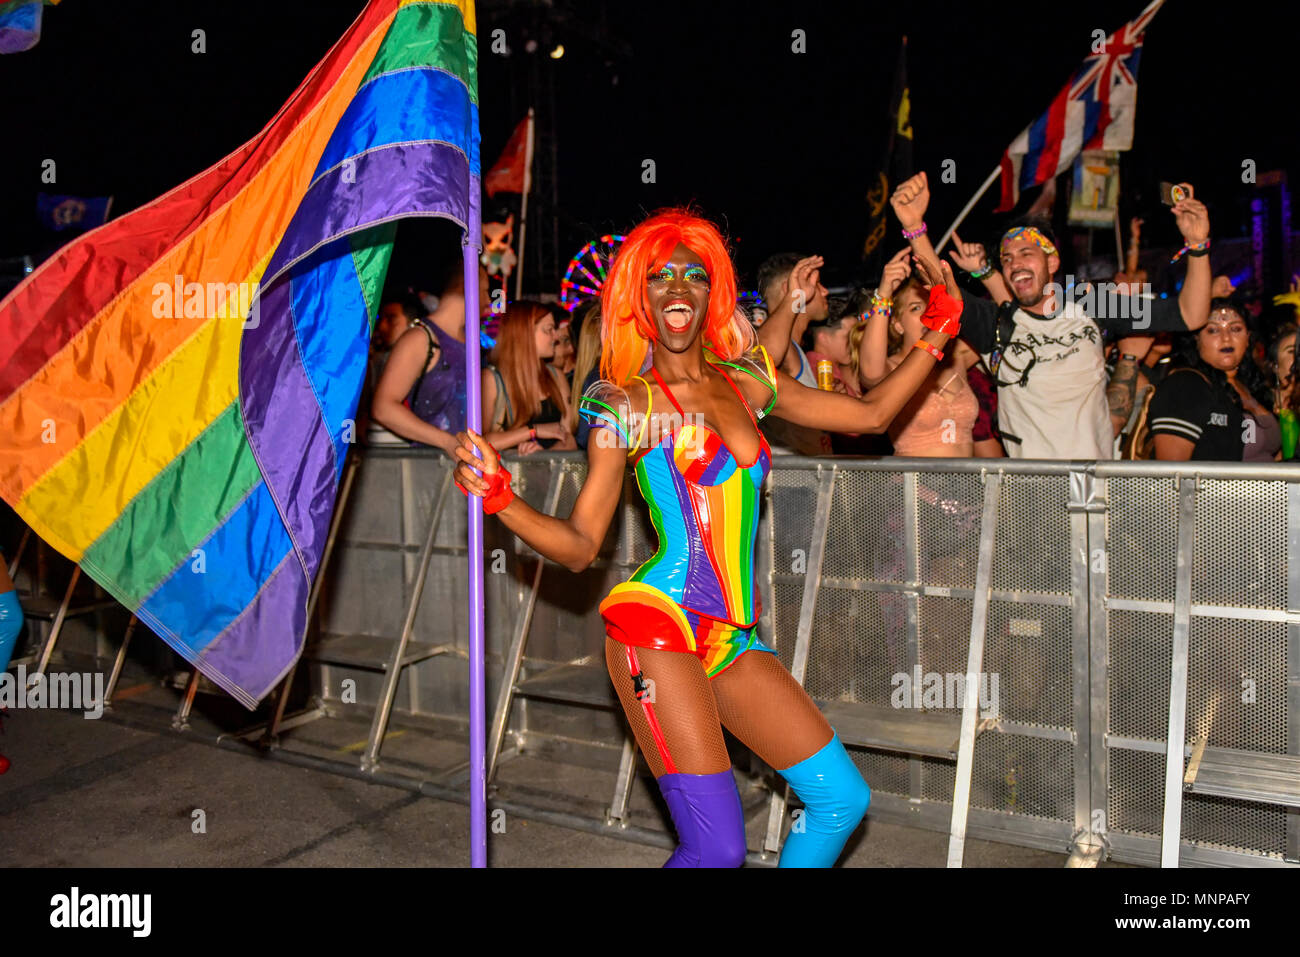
(928, 347)
(499, 493)
(943, 314)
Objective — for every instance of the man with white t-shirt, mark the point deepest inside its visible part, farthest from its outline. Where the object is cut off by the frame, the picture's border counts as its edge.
(1047, 352)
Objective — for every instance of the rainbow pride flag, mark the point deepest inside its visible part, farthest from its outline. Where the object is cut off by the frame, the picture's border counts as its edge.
(179, 386)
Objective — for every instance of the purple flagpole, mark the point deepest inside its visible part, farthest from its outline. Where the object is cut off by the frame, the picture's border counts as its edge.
(473, 420)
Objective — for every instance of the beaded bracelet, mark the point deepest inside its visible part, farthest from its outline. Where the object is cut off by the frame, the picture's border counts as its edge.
(983, 273)
(881, 304)
(933, 350)
(913, 233)
(1192, 249)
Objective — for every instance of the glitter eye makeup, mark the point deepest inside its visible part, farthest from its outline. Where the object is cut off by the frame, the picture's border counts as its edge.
(694, 272)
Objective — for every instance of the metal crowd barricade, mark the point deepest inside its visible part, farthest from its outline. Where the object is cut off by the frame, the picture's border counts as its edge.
(1110, 606)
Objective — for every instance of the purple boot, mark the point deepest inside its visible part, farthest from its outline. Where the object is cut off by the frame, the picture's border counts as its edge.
(709, 820)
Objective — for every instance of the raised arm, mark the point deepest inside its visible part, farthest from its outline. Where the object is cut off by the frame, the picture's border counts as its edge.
(973, 258)
(873, 413)
(573, 541)
(1121, 391)
(910, 201)
(873, 353)
(1194, 223)
(774, 334)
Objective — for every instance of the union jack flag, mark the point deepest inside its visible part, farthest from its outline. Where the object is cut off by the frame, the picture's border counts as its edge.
(1094, 110)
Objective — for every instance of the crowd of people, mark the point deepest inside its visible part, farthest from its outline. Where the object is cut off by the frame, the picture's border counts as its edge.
(1039, 372)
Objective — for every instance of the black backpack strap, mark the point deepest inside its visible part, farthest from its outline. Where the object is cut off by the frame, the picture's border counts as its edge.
(433, 344)
(1004, 329)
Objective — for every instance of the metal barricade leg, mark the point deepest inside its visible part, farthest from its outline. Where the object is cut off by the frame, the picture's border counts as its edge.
(18, 552)
(803, 640)
(182, 720)
(515, 656)
(623, 784)
(1088, 583)
(974, 665)
(56, 626)
(1175, 740)
(370, 760)
(1293, 657)
(119, 662)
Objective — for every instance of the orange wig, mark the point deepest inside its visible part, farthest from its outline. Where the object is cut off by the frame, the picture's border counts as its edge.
(627, 329)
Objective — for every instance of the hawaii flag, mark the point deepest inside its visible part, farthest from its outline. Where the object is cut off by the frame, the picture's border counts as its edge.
(179, 385)
(1094, 110)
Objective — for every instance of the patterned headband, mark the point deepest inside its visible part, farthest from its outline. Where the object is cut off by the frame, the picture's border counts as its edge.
(1029, 234)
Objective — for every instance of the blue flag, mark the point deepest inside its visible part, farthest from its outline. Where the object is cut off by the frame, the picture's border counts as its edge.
(72, 212)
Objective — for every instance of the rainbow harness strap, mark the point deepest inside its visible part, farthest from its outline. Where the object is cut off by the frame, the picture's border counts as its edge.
(696, 593)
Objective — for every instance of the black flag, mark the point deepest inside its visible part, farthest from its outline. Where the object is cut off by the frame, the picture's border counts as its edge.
(895, 167)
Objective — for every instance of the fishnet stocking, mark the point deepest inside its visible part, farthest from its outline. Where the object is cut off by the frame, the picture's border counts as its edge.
(683, 705)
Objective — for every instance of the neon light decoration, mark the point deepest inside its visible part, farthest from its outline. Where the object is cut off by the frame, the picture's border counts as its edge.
(587, 271)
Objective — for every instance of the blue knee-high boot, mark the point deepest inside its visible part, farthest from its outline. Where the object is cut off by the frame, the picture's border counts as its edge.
(835, 797)
(11, 622)
(707, 814)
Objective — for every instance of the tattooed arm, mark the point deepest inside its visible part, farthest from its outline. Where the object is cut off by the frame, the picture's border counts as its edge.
(1121, 391)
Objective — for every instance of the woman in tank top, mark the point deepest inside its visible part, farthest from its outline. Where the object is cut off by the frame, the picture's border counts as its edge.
(525, 401)
(940, 418)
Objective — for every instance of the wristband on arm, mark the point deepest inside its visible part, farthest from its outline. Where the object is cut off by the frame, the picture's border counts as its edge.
(930, 348)
(499, 494)
(943, 314)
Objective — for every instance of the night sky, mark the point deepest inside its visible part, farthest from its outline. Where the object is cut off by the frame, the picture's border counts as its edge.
(776, 146)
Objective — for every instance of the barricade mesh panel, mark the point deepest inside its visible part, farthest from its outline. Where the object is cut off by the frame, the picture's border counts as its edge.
(1136, 806)
(1028, 652)
(1032, 548)
(785, 620)
(1237, 667)
(1240, 532)
(944, 634)
(1140, 645)
(849, 660)
(1013, 773)
(948, 526)
(865, 522)
(1142, 538)
(886, 773)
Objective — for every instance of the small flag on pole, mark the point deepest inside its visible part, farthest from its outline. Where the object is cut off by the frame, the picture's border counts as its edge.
(58, 213)
(1094, 110)
(897, 164)
(510, 174)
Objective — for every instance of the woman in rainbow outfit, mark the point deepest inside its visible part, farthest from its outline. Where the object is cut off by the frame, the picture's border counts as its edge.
(683, 387)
